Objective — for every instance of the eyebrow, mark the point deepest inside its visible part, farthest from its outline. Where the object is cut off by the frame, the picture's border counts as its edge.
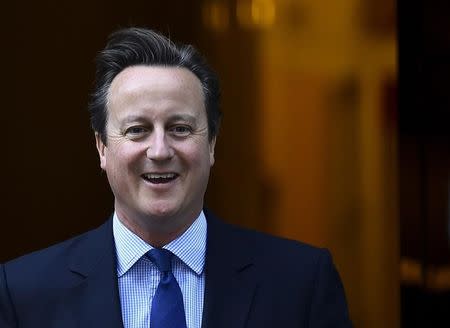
(183, 117)
(133, 118)
(176, 117)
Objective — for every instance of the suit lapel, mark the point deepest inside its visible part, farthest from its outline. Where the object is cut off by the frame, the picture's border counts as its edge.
(230, 281)
(96, 298)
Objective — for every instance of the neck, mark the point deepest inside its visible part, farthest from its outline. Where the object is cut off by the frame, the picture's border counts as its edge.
(159, 231)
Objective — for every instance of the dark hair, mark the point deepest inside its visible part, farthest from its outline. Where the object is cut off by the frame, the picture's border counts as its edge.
(140, 46)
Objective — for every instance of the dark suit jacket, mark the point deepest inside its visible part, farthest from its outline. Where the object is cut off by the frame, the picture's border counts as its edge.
(252, 280)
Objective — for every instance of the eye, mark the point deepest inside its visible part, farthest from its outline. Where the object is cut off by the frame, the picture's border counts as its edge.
(180, 130)
(135, 131)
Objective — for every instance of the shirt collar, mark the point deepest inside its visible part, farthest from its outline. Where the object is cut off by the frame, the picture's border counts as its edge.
(190, 247)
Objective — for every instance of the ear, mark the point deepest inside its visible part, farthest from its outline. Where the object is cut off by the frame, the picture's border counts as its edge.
(101, 150)
(212, 146)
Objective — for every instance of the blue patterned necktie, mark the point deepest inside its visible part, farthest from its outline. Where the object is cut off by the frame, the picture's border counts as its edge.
(167, 305)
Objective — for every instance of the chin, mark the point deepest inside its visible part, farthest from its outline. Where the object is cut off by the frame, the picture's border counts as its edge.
(162, 210)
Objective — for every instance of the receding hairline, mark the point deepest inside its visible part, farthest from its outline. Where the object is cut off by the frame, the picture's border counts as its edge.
(162, 68)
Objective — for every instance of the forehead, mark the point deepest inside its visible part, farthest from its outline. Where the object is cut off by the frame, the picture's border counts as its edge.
(156, 80)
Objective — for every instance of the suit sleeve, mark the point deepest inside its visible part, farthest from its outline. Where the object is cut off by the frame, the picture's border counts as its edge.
(7, 314)
(329, 306)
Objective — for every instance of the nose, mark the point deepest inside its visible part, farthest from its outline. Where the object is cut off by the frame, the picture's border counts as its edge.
(158, 148)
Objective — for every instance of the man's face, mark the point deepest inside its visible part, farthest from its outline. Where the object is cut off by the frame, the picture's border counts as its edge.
(158, 155)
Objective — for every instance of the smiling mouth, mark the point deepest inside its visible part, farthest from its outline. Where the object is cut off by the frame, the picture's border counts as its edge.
(159, 178)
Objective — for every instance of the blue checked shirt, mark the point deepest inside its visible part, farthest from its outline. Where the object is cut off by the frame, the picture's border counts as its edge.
(138, 278)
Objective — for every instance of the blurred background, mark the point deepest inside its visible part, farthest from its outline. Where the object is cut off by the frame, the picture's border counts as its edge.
(327, 138)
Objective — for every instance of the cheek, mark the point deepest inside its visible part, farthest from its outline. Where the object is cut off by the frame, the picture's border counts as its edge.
(200, 164)
(122, 156)
(196, 154)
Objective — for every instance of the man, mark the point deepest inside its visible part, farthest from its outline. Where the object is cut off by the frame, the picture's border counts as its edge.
(162, 260)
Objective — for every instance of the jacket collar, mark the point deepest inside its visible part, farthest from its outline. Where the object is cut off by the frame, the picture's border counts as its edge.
(96, 299)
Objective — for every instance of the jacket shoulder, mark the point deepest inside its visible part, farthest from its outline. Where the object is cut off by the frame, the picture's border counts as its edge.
(50, 263)
(267, 248)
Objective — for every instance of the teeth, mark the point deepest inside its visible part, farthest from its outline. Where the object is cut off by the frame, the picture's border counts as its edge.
(160, 176)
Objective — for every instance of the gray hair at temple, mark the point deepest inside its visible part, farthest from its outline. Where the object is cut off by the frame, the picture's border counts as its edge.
(139, 46)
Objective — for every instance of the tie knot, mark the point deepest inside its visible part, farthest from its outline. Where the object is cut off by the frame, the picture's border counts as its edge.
(162, 258)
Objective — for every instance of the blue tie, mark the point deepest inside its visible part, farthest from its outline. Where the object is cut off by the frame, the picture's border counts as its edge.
(167, 305)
